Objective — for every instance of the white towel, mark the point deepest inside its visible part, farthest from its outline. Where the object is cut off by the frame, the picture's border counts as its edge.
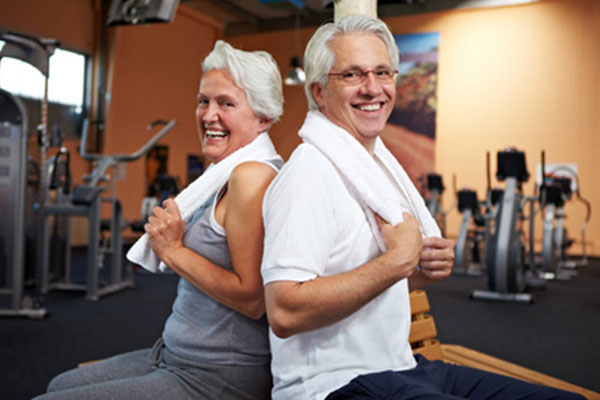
(365, 177)
(198, 192)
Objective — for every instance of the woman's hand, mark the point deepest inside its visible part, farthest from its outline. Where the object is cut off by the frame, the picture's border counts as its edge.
(241, 288)
(165, 230)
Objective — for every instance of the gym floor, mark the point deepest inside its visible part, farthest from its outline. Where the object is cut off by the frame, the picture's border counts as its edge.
(557, 335)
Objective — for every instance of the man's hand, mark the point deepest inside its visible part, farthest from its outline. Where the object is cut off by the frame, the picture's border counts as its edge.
(403, 241)
(437, 258)
(165, 229)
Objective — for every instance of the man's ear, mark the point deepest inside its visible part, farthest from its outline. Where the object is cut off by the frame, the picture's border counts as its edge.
(317, 92)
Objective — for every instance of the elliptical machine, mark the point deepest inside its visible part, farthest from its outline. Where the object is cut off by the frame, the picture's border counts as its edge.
(565, 176)
(556, 191)
(553, 193)
(505, 251)
(551, 199)
(468, 251)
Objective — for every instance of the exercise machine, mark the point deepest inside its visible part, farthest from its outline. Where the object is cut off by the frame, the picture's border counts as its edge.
(555, 240)
(13, 186)
(14, 135)
(555, 192)
(476, 226)
(552, 200)
(434, 185)
(104, 236)
(58, 191)
(565, 176)
(471, 235)
(505, 250)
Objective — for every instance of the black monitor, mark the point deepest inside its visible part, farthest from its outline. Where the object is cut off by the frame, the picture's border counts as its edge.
(129, 12)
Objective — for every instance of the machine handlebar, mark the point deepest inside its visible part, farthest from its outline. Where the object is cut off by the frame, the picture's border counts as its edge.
(127, 157)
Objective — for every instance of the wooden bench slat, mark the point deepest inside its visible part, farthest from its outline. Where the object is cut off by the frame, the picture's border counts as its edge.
(422, 329)
(418, 302)
(431, 351)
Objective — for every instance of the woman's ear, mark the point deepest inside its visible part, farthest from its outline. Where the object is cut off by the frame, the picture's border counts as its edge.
(264, 124)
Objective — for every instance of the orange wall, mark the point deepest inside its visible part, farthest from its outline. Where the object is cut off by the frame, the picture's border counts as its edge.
(70, 21)
(527, 76)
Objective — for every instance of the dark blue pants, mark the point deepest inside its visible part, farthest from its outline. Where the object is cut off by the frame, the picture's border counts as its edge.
(439, 380)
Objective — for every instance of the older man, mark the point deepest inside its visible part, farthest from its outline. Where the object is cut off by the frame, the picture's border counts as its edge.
(347, 237)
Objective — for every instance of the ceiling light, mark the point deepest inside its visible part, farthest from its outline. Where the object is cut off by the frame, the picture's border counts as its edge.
(296, 76)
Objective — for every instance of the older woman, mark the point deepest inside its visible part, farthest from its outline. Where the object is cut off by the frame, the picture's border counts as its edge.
(214, 344)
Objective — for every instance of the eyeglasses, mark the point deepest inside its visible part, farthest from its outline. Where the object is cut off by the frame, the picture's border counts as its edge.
(354, 76)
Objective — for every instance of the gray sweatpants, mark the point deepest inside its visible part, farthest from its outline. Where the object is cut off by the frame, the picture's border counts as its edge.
(157, 374)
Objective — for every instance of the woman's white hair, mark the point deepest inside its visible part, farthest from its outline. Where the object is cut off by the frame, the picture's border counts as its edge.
(319, 57)
(255, 72)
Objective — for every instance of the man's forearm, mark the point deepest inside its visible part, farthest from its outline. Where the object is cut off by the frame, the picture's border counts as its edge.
(295, 307)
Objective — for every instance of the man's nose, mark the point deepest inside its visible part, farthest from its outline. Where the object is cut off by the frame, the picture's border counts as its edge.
(371, 85)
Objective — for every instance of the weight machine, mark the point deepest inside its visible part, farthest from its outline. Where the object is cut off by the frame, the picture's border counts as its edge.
(86, 201)
(13, 176)
(13, 181)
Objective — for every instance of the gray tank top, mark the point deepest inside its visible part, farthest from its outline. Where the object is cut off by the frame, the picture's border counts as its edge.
(202, 330)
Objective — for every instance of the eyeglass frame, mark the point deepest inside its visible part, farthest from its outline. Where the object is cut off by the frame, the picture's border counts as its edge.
(363, 75)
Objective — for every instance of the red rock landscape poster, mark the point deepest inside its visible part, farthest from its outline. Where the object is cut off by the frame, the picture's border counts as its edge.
(411, 128)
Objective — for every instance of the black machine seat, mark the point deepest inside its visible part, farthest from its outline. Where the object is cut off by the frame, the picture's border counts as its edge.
(511, 163)
(85, 195)
(434, 182)
(467, 200)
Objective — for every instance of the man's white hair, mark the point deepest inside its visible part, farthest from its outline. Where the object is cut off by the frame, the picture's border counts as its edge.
(255, 72)
(319, 57)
